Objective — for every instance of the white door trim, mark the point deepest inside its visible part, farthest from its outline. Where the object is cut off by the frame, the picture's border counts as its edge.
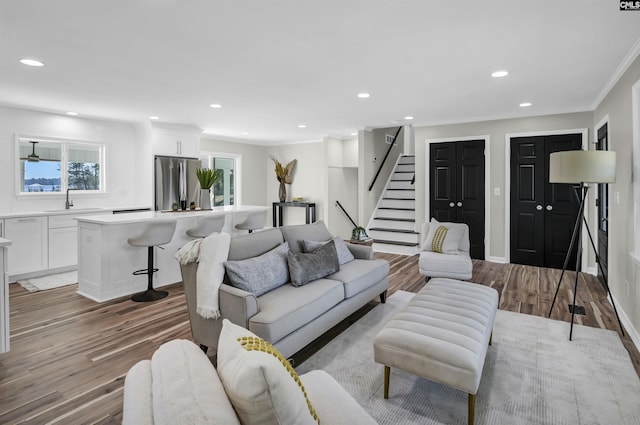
(487, 198)
(507, 182)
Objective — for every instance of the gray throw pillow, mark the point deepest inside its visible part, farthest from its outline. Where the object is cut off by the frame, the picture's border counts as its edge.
(260, 274)
(305, 267)
(344, 254)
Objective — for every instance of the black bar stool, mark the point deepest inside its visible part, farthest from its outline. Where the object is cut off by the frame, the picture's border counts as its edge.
(155, 233)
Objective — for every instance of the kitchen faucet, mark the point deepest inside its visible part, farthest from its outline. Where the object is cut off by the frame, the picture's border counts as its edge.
(68, 203)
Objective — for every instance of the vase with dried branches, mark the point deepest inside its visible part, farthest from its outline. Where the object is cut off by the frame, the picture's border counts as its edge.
(284, 176)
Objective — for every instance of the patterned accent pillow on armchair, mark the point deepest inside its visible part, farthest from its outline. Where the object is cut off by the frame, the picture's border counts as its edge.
(443, 237)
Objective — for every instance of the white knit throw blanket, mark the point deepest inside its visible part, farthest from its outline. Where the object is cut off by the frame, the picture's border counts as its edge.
(189, 252)
(211, 253)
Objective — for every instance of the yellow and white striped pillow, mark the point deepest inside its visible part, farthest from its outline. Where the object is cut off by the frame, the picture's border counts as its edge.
(260, 383)
(444, 238)
(439, 236)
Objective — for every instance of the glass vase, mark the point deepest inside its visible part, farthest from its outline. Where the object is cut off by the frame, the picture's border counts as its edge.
(282, 193)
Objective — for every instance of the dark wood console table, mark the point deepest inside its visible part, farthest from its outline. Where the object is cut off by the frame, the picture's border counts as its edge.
(278, 211)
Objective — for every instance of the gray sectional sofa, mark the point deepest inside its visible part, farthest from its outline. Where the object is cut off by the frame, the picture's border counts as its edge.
(289, 317)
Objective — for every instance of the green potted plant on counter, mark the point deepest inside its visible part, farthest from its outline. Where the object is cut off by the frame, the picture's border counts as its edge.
(207, 177)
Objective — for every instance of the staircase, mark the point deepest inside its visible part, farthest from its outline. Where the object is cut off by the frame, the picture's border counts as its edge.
(393, 225)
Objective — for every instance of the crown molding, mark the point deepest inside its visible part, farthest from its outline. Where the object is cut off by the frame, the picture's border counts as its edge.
(619, 72)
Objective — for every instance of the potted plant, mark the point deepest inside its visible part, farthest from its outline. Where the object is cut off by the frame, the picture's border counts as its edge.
(284, 176)
(207, 177)
(359, 234)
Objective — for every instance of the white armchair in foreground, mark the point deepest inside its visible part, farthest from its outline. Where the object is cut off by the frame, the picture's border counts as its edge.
(444, 250)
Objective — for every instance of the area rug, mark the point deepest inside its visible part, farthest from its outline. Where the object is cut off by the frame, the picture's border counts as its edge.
(532, 375)
(49, 282)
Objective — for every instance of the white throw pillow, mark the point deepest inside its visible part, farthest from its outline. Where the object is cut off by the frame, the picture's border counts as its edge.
(447, 237)
(260, 383)
(186, 387)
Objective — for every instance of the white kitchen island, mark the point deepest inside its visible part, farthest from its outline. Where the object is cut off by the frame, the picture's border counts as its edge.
(4, 296)
(106, 261)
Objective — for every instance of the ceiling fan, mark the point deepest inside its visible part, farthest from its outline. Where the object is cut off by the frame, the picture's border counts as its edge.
(32, 157)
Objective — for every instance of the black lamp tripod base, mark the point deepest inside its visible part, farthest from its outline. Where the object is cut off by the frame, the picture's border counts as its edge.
(581, 192)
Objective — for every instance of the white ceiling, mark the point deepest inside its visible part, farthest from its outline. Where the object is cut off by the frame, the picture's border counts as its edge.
(276, 64)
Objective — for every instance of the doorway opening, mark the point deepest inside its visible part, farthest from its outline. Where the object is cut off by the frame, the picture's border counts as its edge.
(227, 189)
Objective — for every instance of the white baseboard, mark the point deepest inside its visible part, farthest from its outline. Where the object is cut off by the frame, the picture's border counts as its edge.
(501, 260)
(628, 325)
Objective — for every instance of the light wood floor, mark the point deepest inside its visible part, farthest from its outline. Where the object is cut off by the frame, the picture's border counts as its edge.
(69, 355)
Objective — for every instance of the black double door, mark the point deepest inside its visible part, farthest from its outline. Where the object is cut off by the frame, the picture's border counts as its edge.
(457, 187)
(543, 214)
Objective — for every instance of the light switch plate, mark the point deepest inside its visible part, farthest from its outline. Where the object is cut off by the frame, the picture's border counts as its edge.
(616, 197)
(496, 191)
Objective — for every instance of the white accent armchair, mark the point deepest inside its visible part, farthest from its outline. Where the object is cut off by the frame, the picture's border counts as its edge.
(452, 263)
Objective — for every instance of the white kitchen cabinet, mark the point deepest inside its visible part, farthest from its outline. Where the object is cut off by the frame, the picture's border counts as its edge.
(4, 295)
(63, 241)
(29, 247)
(176, 140)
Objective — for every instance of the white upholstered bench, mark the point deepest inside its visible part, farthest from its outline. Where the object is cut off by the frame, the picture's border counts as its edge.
(442, 334)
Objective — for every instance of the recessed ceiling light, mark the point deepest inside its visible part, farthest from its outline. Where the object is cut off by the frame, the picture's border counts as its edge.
(364, 95)
(215, 106)
(31, 62)
(302, 126)
(408, 117)
(244, 133)
(525, 104)
(354, 134)
(499, 74)
(153, 117)
(72, 113)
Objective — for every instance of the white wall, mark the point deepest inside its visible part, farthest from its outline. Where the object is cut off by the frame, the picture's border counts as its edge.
(343, 187)
(254, 167)
(624, 269)
(342, 159)
(124, 185)
(497, 131)
(372, 149)
(319, 177)
(310, 178)
(350, 153)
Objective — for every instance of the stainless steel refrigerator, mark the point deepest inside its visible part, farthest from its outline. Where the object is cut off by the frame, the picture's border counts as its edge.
(175, 181)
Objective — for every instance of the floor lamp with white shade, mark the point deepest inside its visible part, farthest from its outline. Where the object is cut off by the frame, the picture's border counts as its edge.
(581, 168)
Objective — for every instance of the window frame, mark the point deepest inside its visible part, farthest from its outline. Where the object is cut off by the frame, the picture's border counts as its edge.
(64, 143)
(635, 151)
(207, 158)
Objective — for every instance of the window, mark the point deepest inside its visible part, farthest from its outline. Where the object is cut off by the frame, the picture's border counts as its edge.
(225, 189)
(53, 166)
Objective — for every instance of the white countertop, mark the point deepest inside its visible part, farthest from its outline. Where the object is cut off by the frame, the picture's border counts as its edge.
(62, 211)
(113, 219)
(4, 242)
